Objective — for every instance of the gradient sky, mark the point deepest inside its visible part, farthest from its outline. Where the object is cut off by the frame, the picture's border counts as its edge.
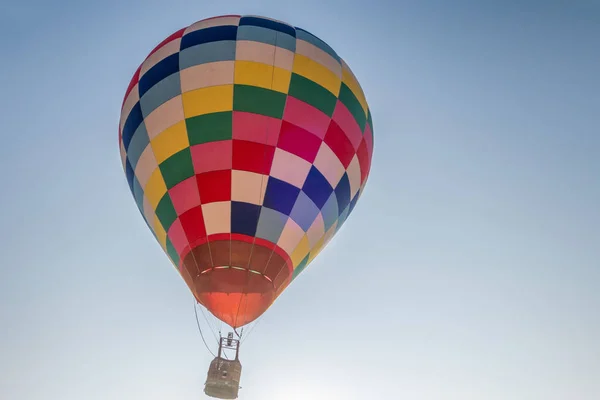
(470, 269)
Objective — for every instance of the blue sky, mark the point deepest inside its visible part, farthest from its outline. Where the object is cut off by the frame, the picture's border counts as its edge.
(473, 256)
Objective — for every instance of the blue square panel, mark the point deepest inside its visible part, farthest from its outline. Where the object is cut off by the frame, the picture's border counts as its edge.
(270, 224)
(342, 193)
(209, 35)
(133, 121)
(137, 145)
(138, 194)
(304, 212)
(244, 218)
(157, 73)
(130, 174)
(330, 212)
(207, 53)
(342, 218)
(163, 91)
(353, 202)
(280, 195)
(316, 187)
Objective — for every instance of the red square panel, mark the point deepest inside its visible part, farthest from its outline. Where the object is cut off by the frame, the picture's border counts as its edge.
(134, 81)
(214, 186)
(337, 140)
(211, 156)
(184, 195)
(252, 156)
(306, 116)
(363, 160)
(175, 35)
(368, 136)
(256, 128)
(192, 222)
(298, 141)
(345, 120)
(177, 236)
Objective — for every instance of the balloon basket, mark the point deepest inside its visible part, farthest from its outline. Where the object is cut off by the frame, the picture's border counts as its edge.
(223, 378)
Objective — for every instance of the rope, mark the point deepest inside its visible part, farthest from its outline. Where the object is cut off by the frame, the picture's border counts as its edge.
(200, 330)
(212, 329)
(251, 329)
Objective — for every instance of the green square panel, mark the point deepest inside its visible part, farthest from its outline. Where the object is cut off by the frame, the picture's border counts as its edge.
(300, 267)
(177, 168)
(165, 212)
(313, 94)
(353, 105)
(259, 101)
(209, 127)
(172, 252)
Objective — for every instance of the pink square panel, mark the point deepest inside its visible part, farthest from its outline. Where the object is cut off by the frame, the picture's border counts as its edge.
(290, 168)
(256, 128)
(212, 156)
(346, 121)
(368, 137)
(185, 195)
(337, 140)
(177, 236)
(299, 141)
(364, 161)
(306, 116)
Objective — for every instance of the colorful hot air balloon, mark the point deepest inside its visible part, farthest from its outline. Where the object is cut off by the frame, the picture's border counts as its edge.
(246, 143)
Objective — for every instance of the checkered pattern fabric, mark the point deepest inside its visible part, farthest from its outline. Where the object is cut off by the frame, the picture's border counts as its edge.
(246, 127)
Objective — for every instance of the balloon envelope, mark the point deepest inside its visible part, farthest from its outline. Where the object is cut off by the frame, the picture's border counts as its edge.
(246, 143)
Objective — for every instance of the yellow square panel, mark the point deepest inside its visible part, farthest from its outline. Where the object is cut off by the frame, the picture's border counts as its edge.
(281, 80)
(160, 233)
(317, 249)
(208, 100)
(149, 213)
(316, 231)
(166, 115)
(350, 80)
(318, 73)
(290, 237)
(300, 251)
(170, 141)
(262, 75)
(155, 188)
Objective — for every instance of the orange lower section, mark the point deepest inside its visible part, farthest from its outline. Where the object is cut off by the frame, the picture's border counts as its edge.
(226, 307)
(236, 281)
(235, 297)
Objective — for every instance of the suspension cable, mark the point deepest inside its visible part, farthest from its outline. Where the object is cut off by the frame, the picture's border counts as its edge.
(200, 330)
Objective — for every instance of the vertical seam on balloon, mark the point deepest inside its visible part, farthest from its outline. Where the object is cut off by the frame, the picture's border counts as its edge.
(232, 141)
(260, 193)
(197, 188)
(149, 145)
(138, 72)
(276, 146)
(312, 165)
(237, 33)
(311, 248)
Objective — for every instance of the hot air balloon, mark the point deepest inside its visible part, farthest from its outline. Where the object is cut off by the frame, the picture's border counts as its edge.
(246, 143)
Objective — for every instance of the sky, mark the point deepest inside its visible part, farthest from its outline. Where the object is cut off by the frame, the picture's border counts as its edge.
(469, 270)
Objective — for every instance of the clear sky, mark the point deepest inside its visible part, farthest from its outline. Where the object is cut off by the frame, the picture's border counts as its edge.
(470, 269)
